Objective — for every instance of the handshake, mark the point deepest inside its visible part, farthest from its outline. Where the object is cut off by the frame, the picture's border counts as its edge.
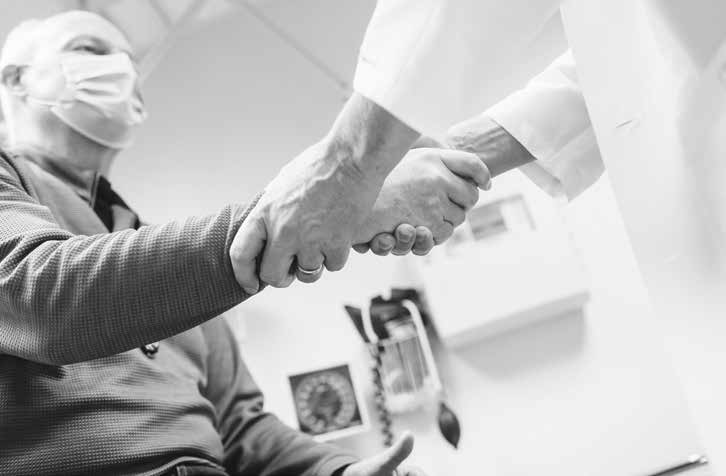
(320, 205)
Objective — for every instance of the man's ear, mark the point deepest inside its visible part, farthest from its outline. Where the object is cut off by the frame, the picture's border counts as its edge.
(12, 78)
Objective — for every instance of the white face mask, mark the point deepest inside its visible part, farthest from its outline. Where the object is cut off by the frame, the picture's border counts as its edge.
(100, 97)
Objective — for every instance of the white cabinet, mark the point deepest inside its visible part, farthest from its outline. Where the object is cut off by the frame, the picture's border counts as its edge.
(512, 263)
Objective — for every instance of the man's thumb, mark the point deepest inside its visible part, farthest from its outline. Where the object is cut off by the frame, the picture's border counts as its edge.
(247, 247)
(392, 457)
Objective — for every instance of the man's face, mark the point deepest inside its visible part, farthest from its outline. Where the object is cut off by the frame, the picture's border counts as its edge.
(75, 32)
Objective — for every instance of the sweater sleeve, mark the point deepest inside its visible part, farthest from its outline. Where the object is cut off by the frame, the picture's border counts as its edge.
(67, 298)
(255, 442)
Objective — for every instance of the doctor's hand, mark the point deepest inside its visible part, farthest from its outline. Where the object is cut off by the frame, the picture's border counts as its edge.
(432, 188)
(386, 463)
(406, 239)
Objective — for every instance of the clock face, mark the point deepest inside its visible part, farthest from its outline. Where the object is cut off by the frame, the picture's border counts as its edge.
(325, 400)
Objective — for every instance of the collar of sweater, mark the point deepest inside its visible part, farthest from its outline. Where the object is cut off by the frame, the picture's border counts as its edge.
(83, 182)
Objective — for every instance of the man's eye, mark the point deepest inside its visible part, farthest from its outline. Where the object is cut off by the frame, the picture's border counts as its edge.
(89, 49)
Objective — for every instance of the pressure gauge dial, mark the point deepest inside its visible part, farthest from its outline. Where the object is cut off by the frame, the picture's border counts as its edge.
(325, 400)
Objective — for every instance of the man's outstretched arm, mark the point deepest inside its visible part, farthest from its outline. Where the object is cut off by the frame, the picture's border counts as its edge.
(67, 298)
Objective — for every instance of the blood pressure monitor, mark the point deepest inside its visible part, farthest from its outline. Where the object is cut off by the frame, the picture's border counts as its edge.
(326, 402)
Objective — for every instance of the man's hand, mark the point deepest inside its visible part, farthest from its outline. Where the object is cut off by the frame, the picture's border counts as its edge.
(305, 218)
(386, 462)
(309, 213)
(430, 187)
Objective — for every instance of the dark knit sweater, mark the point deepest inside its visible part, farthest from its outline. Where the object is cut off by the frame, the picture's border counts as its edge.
(77, 395)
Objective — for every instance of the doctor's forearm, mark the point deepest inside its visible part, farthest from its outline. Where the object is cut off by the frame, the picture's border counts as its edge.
(497, 148)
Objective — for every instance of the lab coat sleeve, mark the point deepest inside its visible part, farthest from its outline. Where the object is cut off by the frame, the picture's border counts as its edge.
(257, 443)
(430, 62)
(549, 117)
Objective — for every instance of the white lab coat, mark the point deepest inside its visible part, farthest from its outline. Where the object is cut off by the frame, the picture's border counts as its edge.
(653, 77)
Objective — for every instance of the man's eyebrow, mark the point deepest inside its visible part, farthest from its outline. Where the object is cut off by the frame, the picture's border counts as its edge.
(94, 39)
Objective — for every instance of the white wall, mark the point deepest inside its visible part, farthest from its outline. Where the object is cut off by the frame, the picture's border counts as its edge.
(231, 104)
(590, 394)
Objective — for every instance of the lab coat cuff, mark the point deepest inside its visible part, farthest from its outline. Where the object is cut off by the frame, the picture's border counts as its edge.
(562, 168)
(383, 88)
(513, 114)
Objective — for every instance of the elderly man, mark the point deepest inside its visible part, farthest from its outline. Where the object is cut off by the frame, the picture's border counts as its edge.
(86, 292)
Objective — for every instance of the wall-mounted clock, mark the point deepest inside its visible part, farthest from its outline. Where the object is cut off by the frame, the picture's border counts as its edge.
(326, 402)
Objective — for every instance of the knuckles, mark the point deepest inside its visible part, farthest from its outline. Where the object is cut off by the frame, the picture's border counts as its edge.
(276, 281)
(334, 265)
(336, 255)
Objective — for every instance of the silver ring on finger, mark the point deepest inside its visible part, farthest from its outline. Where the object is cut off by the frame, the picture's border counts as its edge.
(310, 272)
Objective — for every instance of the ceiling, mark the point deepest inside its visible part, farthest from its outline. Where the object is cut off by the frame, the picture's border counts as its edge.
(153, 25)
(146, 22)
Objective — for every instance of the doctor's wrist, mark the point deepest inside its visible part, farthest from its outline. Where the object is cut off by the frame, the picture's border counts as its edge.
(496, 147)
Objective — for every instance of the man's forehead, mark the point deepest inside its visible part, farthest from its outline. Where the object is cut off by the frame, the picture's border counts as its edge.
(62, 28)
(34, 37)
